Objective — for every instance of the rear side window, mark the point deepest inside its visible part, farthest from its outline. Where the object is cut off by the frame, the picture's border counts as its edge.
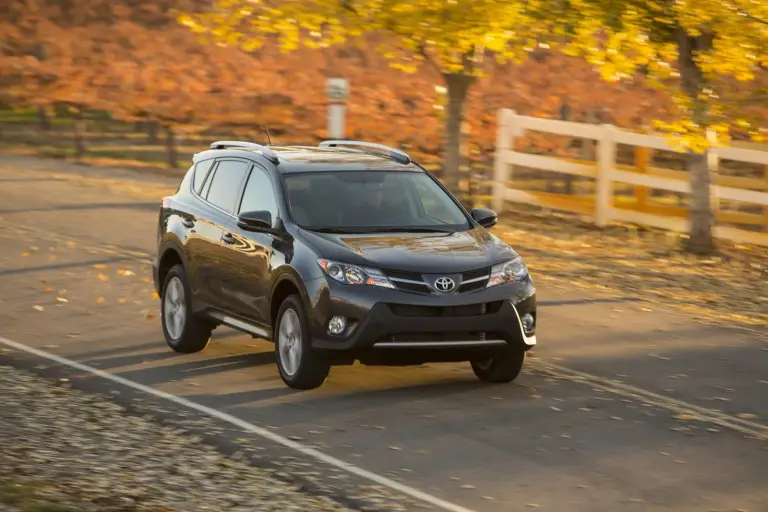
(225, 184)
(201, 171)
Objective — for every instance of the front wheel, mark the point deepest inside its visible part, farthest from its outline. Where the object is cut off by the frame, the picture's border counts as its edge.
(504, 366)
(300, 366)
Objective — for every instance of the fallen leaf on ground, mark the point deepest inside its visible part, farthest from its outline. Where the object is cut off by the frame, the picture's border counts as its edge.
(747, 415)
(100, 265)
(121, 300)
(61, 299)
(25, 253)
(100, 299)
(48, 288)
(103, 277)
(39, 308)
(686, 417)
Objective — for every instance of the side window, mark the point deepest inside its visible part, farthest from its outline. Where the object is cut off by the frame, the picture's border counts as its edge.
(201, 171)
(207, 185)
(225, 184)
(259, 194)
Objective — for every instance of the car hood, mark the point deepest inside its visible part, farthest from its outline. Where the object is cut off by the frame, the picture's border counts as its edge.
(414, 252)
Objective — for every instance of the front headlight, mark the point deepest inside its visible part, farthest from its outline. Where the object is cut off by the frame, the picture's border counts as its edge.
(512, 270)
(352, 274)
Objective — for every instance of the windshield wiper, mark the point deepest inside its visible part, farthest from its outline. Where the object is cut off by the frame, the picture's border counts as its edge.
(338, 231)
(409, 230)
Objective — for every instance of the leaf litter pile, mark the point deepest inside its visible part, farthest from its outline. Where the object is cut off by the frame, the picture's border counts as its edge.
(729, 289)
(68, 451)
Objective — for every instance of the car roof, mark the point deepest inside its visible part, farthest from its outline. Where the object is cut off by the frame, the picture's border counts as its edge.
(293, 159)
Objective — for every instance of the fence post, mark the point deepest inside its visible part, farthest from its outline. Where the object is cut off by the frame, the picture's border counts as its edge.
(500, 166)
(765, 208)
(604, 186)
(643, 157)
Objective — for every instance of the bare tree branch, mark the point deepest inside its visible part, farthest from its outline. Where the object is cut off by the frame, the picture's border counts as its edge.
(753, 17)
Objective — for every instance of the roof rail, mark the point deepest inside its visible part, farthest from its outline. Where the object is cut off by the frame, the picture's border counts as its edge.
(395, 154)
(268, 153)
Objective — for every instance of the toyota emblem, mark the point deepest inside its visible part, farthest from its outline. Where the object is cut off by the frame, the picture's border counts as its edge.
(445, 284)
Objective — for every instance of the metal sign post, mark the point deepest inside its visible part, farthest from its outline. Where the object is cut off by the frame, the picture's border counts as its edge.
(338, 91)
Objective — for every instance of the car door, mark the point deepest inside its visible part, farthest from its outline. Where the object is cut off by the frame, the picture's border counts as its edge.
(250, 253)
(221, 194)
(201, 233)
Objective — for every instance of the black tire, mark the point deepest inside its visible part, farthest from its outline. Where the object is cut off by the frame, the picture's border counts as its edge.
(312, 368)
(504, 366)
(195, 332)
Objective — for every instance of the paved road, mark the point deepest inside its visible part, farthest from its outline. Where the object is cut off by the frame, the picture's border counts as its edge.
(623, 405)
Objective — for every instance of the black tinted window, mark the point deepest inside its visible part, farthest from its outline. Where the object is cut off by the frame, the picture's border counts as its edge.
(201, 171)
(359, 200)
(225, 186)
(259, 194)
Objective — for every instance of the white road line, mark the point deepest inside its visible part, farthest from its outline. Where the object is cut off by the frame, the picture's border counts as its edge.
(248, 427)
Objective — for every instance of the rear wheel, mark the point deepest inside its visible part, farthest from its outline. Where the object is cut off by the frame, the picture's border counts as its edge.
(300, 366)
(184, 332)
(504, 366)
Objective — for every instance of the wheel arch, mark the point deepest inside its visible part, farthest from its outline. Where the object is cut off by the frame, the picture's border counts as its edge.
(171, 255)
(285, 284)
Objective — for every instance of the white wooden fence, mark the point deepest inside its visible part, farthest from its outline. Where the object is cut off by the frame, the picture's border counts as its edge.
(603, 207)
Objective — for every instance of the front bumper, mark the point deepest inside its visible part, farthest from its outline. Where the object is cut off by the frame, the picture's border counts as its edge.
(380, 318)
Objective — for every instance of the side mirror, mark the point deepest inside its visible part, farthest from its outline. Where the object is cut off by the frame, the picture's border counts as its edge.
(485, 217)
(260, 220)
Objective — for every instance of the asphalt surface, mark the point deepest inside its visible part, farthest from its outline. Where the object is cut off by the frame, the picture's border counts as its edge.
(622, 406)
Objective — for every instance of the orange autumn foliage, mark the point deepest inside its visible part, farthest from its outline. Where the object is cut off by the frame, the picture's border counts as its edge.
(133, 60)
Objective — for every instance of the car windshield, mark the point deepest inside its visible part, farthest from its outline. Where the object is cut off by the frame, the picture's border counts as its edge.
(371, 201)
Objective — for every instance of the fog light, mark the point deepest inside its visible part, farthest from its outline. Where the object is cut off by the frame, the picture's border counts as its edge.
(528, 323)
(337, 325)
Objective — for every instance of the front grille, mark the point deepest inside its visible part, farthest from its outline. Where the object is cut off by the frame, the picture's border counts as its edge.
(484, 308)
(436, 336)
(415, 283)
(474, 274)
(397, 274)
(470, 287)
(412, 287)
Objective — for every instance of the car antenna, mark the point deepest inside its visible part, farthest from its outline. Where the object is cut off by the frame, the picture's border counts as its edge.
(269, 139)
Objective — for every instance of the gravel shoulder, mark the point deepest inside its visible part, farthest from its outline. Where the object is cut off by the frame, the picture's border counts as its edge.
(66, 451)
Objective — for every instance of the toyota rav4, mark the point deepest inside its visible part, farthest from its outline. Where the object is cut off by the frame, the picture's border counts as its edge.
(348, 251)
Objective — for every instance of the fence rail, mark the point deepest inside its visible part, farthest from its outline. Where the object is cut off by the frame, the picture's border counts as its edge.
(604, 206)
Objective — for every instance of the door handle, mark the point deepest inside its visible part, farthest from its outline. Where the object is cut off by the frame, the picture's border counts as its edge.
(189, 223)
(228, 238)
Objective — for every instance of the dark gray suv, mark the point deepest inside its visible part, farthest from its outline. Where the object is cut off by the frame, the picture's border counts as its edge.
(342, 252)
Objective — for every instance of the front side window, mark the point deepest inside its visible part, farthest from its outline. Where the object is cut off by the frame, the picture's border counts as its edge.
(361, 201)
(259, 194)
(225, 184)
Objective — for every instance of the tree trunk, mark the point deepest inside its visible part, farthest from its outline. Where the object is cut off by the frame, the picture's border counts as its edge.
(457, 86)
(151, 127)
(45, 121)
(170, 146)
(700, 214)
(79, 135)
